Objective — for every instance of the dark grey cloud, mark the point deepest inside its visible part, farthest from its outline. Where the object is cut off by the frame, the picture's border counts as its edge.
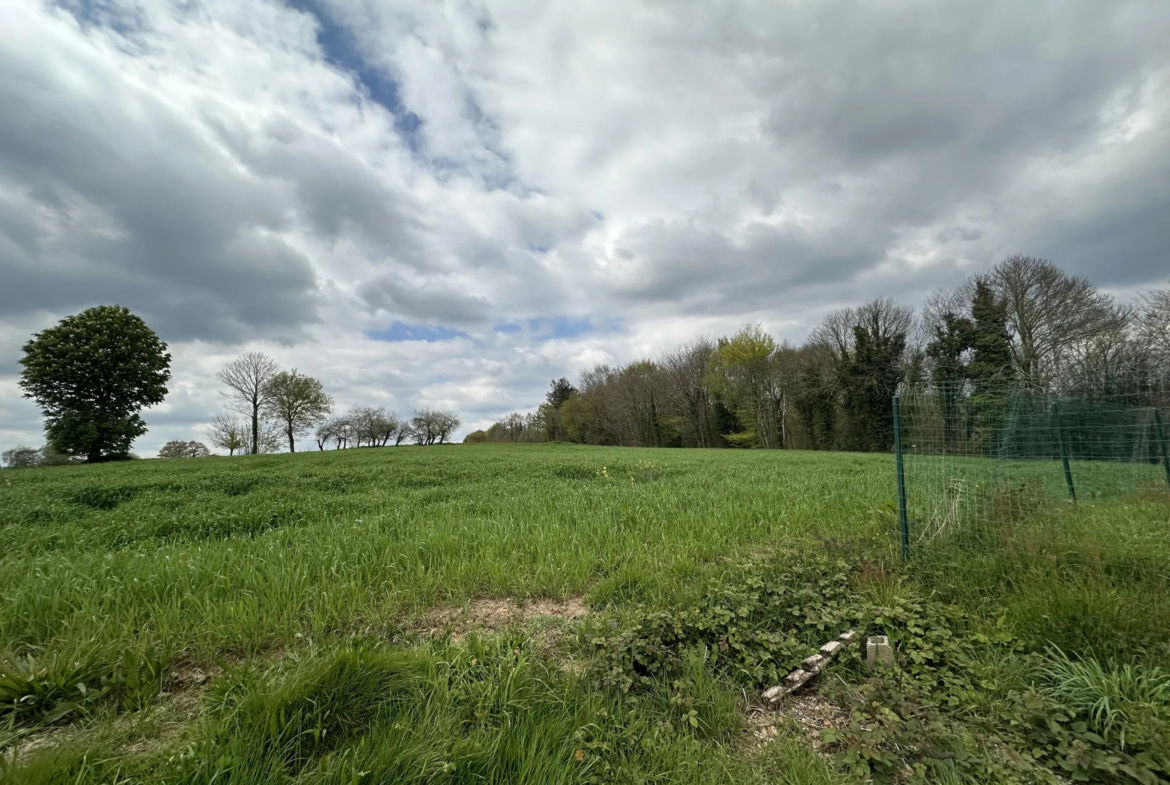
(889, 118)
(708, 271)
(116, 198)
(960, 234)
(437, 302)
(1115, 233)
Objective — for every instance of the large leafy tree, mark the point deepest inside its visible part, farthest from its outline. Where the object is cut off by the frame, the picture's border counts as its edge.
(91, 375)
(744, 375)
(297, 402)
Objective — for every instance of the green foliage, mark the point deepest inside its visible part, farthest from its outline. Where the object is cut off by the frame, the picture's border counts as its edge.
(755, 627)
(34, 695)
(952, 339)
(91, 375)
(869, 377)
(559, 391)
(361, 712)
(992, 344)
(181, 449)
(297, 402)
(21, 458)
(1127, 706)
(743, 373)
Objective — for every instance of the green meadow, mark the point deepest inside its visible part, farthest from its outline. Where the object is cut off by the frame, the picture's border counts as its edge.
(313, 618)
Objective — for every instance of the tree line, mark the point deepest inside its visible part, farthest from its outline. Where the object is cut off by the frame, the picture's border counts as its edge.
(273, 408)
(1024, 324)
(94, 372)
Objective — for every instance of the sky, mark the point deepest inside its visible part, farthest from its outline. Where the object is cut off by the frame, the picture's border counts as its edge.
(447, 204)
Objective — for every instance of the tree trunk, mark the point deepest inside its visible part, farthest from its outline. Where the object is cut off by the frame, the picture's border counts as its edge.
(255, 428)
(292, 446)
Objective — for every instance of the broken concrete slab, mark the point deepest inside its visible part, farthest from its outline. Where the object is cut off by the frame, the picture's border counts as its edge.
(830, 649)
(814, 663)
(797, 679)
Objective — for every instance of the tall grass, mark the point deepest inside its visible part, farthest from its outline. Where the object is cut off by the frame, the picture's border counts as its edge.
(485, 713)
(1113, 699)
(228, 557)
(113, 575)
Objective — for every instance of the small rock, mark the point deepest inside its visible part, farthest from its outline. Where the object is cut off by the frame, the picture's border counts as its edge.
(878, 652)
(847, 637)
(831, 648)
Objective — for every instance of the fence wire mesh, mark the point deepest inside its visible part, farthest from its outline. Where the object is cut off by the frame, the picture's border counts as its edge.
(1029, 469)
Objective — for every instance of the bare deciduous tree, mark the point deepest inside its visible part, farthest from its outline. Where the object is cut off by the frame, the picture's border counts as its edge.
(1049, 312)
(1153, 326)
(228, 433)
(269, 438)
(430, 426)
(687, 391)
(372, 425)
(247, 378)
(514, 426)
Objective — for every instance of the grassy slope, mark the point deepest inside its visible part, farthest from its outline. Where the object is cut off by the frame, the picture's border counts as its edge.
(222, 556)
(135, 568)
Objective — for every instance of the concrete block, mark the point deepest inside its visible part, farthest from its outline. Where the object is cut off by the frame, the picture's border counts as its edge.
(848, 637)
(773, 693)
(878, 652)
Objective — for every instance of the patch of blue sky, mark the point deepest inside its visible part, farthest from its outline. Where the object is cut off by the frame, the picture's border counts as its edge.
(104, 13)
(508, 328)
(340, 47)
(550, 327)
(401, 331)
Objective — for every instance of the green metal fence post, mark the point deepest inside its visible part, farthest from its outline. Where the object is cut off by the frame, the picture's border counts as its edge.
(1068, 480)
(1162, 443)
(903, 520)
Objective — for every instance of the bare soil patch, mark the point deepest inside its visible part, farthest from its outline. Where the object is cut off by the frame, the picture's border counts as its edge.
(489, 615)
(172, 712)
(807, 709)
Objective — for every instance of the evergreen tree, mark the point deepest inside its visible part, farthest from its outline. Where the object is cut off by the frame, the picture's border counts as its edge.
(991, 364)
(992, 360)
(949, 371)
(560, 392)
(869, 379)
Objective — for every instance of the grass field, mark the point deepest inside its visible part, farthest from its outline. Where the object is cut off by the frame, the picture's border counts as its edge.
(287, 618)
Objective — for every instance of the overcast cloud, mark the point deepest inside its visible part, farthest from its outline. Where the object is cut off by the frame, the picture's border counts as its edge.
(430, 203)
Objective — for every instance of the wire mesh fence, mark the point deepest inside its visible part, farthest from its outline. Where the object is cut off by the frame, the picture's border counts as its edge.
(1021, 466)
